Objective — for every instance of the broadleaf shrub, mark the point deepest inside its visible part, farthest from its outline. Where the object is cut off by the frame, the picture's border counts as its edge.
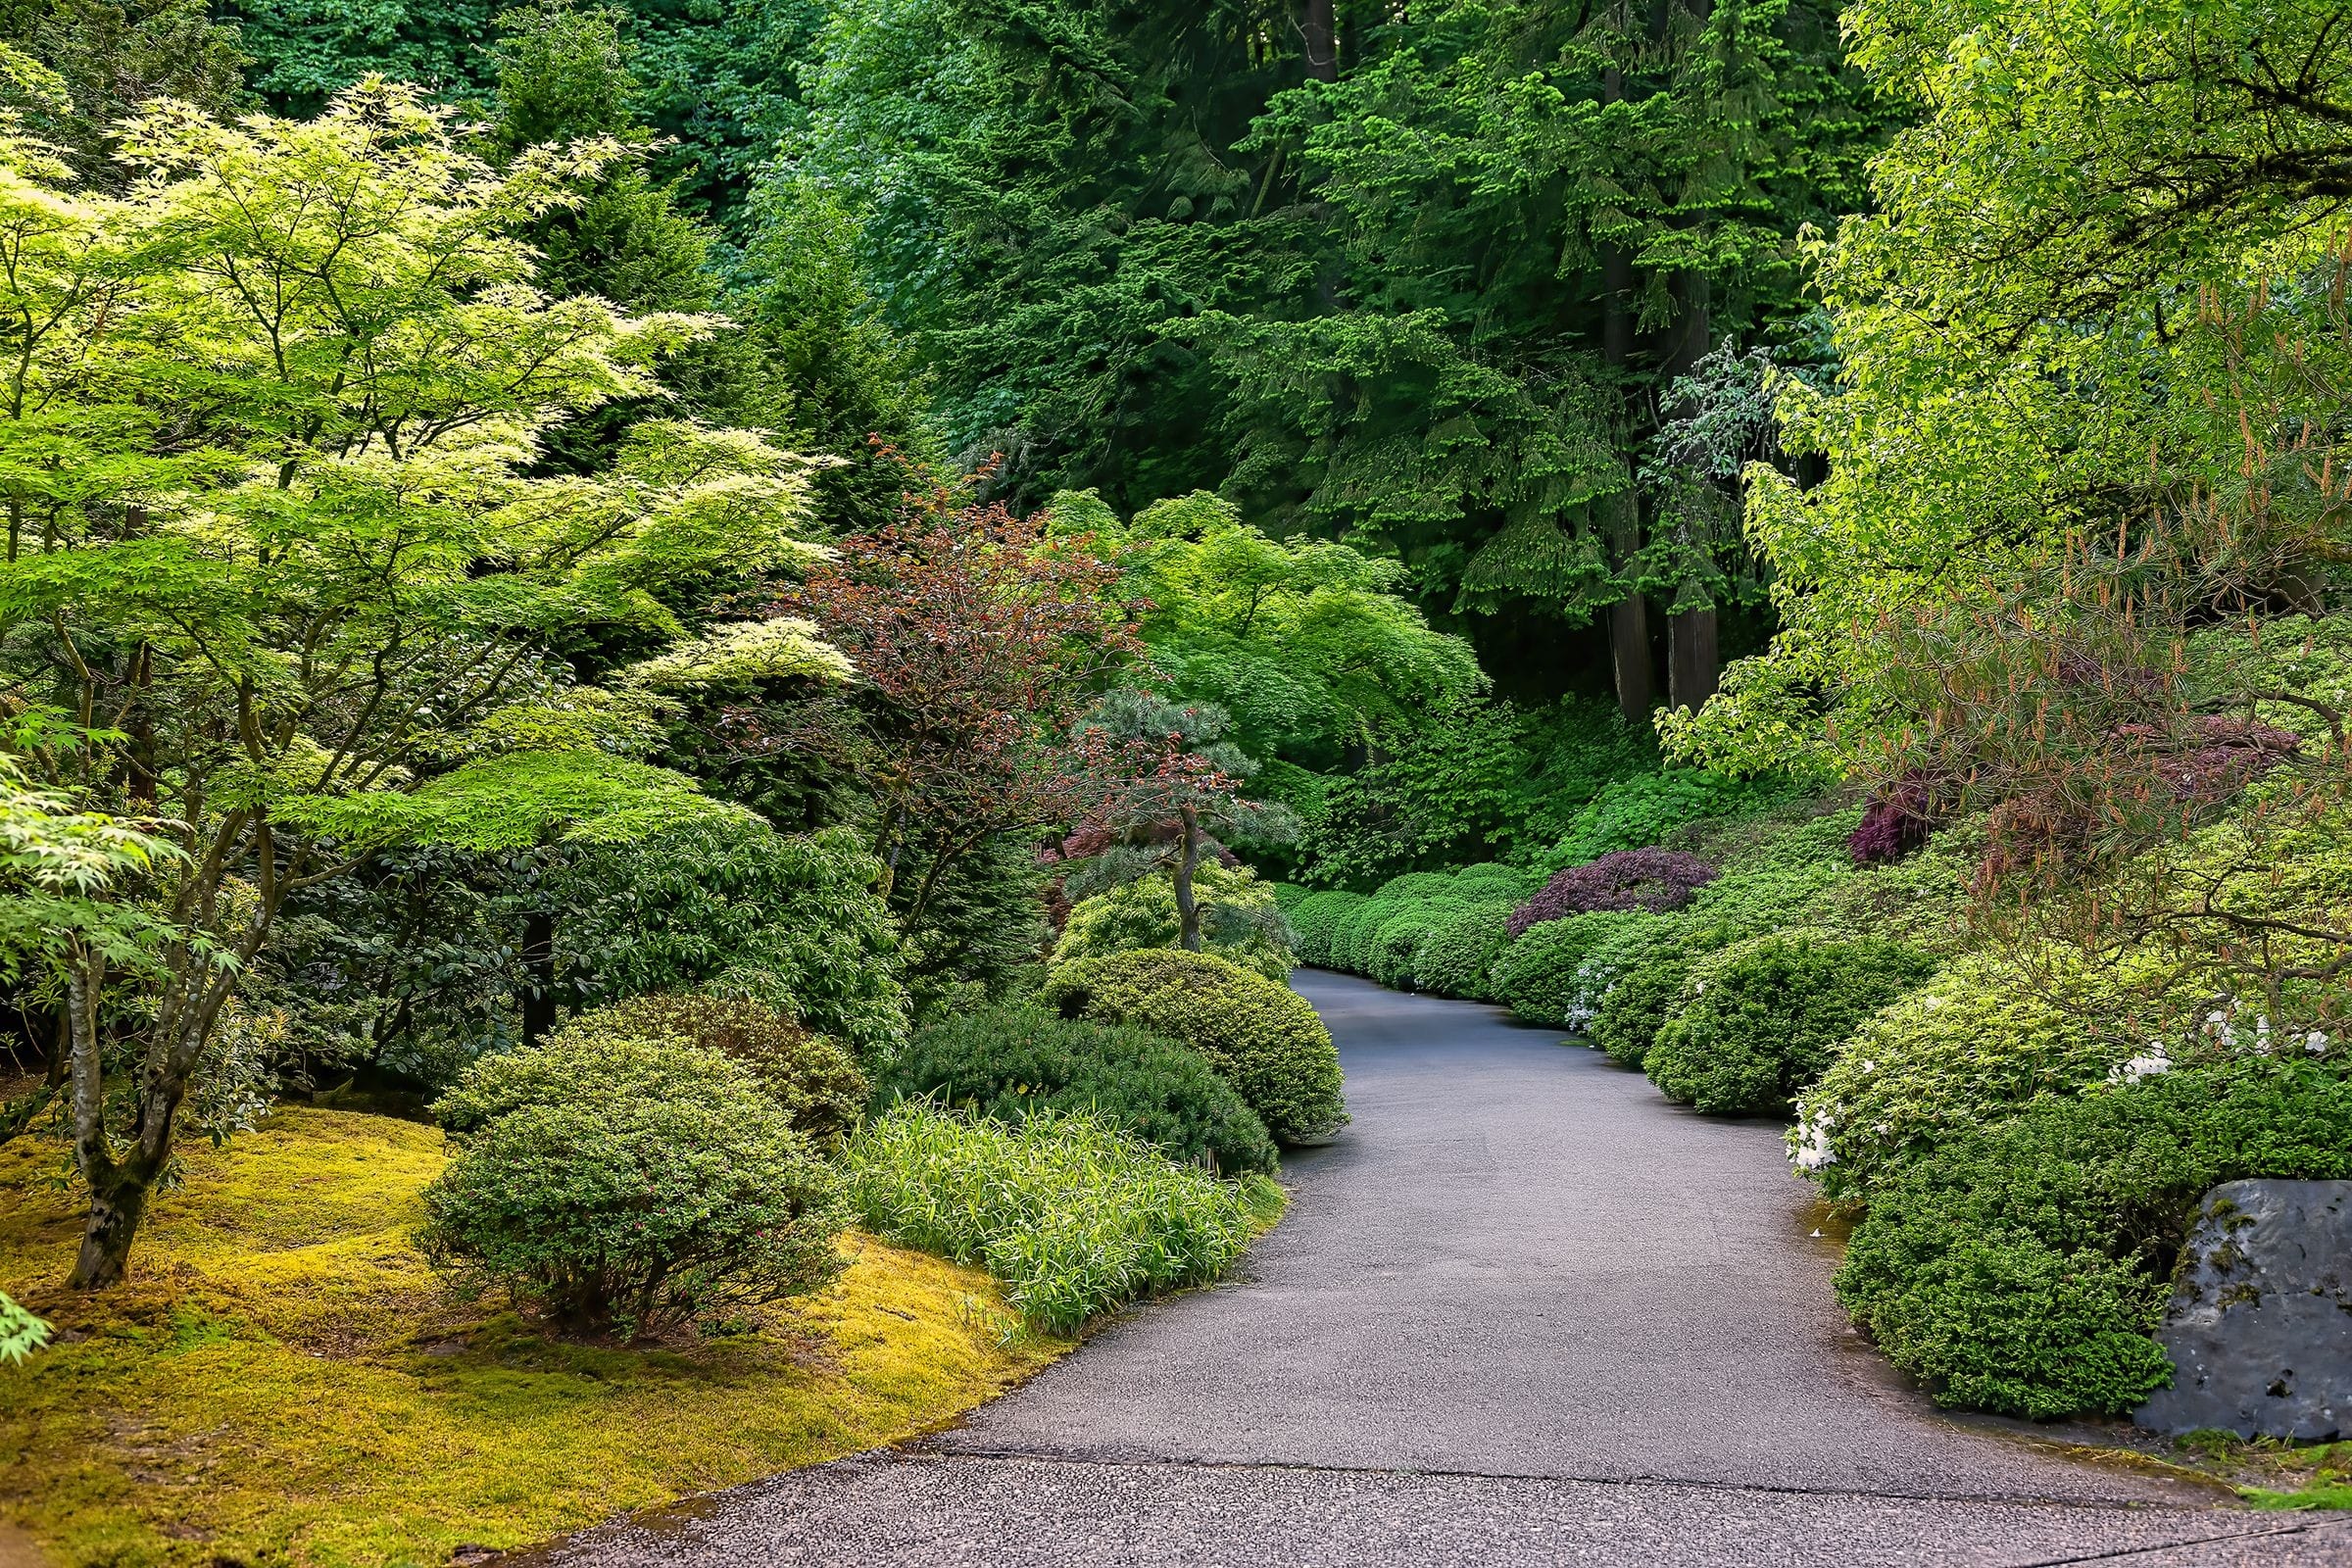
(1642, 808)
(1315, 920)
(1261, 1037)
(1461, 943)
(1010, 1062)
(1074, 1217)
(627, 1184)
(1652, 879)
(1653, 963)
(1760, 1021)
(2021, 1266)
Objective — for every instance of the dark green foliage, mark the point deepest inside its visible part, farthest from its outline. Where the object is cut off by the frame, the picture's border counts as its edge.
(1759, 1021)
(1645, 992)
(1011, 1062)
(1644, 808)
(305, 51)
(1315, 919)
(115, 57)
(1550, 976)
(2020, 1268)
(1261, 1037)
(791, 923)
(629, 1184)
(1454, 955)
(816, 1082)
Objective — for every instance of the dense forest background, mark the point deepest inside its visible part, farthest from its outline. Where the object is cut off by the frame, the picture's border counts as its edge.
(1491, 289)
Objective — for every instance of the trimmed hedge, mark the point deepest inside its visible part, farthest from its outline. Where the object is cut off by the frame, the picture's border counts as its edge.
(1547, 976)
(816, 1081)
(1315, 920)
(1261, 1037)
(1760, 1021)
(1013, 1062)
(1457, 950)
(2020, 1268)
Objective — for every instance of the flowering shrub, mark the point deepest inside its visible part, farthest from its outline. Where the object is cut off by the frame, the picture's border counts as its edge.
(1656, 880)
(1549, 975)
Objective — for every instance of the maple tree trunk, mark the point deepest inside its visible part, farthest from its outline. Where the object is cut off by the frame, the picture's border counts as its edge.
(1187, 860)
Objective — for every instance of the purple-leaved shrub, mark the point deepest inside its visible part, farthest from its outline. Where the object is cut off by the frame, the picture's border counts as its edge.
(1652, 879)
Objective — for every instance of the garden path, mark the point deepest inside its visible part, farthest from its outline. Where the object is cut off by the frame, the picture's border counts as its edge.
(1522, 1312)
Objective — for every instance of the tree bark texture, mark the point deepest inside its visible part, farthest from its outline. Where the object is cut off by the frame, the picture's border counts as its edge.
(1187, 860)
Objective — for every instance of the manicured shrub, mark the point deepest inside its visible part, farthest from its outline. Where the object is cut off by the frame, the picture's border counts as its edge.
(1493, 879)
(1010, 1062)
(1240, 920)
(1315, 919)
(1288, 895)
(1652, 879)
(627, 1184)
(1759, 1020)
(1074, 1217)
(1261, 1037)
(816, 1081)
(1656, 963)
(1968, 1047)
(1544, 975)
(2019, 1267)
(1460, 944)
(1352, 933)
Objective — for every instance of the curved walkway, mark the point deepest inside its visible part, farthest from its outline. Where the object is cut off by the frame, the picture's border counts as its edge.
(1523, 1311)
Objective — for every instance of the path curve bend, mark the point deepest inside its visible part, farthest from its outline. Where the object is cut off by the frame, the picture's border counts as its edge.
(1523, 1310)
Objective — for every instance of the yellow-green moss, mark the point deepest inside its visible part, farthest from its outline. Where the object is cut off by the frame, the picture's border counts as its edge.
(283, 1381)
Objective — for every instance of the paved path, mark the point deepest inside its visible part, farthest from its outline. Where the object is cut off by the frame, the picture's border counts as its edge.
(1524, 1311)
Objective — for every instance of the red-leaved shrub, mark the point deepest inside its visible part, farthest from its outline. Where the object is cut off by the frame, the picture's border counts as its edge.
(1653, 879)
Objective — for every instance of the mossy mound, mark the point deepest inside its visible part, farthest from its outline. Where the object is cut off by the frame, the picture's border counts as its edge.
(283, 1380)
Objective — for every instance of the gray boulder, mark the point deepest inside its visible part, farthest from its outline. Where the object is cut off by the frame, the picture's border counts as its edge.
(2260, 1330)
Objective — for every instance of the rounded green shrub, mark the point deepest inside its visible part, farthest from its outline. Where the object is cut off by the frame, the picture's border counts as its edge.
(1261, 1037)
(1074, 1217)
(1654, 965)
(1544, 976)
(2020, 1268)
(1352, 933)
(1315, 919)
(1240, 920)
(1389, 953)
(816, 1081)
(1011, 1062)
(619, 1183)
(1967, 1047)
(1760, 1021)
(1453, 956)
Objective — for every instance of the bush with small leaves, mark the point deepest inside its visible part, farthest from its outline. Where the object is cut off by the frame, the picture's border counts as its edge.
(1074, 1217)
(1654, 961)
(628, 1185)
(1760, 1021)
(1462, 942)
(1545, 976)
(816, 1081)
(1652, 879)
(1011, 1062)
(1240, 920)
(1261, 1037)
(1315, 919)
(2020, 1268)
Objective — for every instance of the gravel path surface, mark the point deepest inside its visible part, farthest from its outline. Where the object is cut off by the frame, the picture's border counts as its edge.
(1523, 1311)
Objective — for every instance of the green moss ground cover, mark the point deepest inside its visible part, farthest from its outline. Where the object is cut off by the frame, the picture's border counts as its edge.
(284, 1382)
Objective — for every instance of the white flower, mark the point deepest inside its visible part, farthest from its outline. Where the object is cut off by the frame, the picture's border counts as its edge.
(2146, 1064)
(2316, 1043)
(1809, 1145)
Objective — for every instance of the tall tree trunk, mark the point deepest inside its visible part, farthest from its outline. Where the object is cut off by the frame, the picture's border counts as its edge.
(1187, 860)
(1629, 616)
(1316, 26)
(539, 970)
(1690, 657)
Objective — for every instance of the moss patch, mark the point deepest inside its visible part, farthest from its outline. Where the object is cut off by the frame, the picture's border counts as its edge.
(283, 1381)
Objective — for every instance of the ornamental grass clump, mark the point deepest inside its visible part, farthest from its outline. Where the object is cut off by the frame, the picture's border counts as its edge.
(1074, 1217)
(1652, 879)
(625, 1185)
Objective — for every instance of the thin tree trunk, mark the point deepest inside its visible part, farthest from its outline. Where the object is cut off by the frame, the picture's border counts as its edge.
(1691, 656)
(1629, 616)
(1187, 860)
(539, 970)
(1316, 25)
